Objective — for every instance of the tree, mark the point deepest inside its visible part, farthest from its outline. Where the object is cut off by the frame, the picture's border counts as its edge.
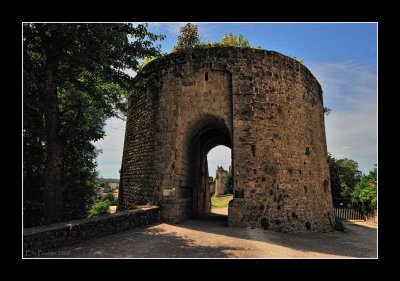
(228, 185)
(344, 175)
(73, 77)
(234, 41)
(231, 40)
(188, 38)
(365, 191)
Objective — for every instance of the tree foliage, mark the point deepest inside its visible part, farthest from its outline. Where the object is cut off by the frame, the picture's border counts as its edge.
(344, 176)
(145, 61)
(365, 191)
(99, 208)
(234, 41)
(230, 40)
(228, 184)
(73, 82)
(188, 38)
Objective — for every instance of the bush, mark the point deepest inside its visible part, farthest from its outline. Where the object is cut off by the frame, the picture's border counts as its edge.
(99, 208)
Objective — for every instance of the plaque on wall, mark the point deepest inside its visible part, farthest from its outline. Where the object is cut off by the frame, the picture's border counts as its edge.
(239, 193)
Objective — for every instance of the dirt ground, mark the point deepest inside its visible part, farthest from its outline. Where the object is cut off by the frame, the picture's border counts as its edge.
(209, 237)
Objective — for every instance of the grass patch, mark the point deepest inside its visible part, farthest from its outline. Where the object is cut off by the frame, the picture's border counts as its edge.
(221, 201)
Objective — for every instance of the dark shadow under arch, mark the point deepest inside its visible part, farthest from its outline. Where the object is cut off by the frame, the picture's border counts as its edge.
(203, 135)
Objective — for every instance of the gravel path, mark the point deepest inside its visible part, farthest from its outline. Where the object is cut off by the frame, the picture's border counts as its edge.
(209, 237)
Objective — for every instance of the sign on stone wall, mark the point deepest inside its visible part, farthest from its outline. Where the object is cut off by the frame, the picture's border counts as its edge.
(239, 193)
(169, 192)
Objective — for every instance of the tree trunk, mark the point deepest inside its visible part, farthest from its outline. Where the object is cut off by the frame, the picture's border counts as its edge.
(53, 185)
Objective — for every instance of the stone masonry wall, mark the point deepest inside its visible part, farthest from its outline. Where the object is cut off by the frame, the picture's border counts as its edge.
(38, 240)
(266, 106)
(220, 181)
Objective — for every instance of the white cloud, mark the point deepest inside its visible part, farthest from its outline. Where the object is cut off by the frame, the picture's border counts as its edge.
(350, 90)
(218, 156)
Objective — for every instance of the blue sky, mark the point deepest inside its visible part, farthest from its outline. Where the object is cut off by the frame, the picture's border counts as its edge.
(342, 56)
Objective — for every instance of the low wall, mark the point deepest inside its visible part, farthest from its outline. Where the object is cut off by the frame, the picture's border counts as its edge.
(37, 239)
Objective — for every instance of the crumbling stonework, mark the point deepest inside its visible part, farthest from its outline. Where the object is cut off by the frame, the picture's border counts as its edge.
(220, 176)
(265, 106)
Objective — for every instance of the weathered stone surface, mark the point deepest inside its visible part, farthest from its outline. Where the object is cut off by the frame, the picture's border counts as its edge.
(42, 238)
(265, 106)
(219, 181)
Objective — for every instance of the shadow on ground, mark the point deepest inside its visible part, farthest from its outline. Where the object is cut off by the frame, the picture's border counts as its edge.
(357, 241)
(209, 237)
(144, 242)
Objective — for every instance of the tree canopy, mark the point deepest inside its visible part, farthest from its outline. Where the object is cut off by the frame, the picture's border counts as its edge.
(365, 191)
(74, 80)
(189, 38)
(344, 175)
(231, 40)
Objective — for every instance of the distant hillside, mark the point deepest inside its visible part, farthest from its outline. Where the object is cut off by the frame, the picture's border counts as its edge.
(103, 180)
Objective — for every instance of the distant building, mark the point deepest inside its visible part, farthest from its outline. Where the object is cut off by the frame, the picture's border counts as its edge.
(115, 193)
(218, 185)
(113, 184)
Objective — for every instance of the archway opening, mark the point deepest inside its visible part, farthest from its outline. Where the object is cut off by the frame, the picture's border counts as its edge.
(220, 179)
(204, 134)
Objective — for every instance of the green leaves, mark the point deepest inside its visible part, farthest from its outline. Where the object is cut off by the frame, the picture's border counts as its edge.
(188, 38)
(230, 41)
(99, 208)
(146, 60)
(91, 86)
(344, 175)
(234, 41)
(365, 191)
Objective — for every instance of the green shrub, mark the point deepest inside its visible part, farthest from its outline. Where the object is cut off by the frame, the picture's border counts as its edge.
(99, 208)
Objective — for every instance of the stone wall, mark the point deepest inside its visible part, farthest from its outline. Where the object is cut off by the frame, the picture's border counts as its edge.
(220, 176)
(212, 187)
(265, 106)
(42, 238)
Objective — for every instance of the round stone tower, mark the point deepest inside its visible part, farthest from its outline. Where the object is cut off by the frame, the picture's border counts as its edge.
(265, 106)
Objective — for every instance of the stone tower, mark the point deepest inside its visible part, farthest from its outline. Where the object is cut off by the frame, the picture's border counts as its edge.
(220, 181)
(265, 106)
